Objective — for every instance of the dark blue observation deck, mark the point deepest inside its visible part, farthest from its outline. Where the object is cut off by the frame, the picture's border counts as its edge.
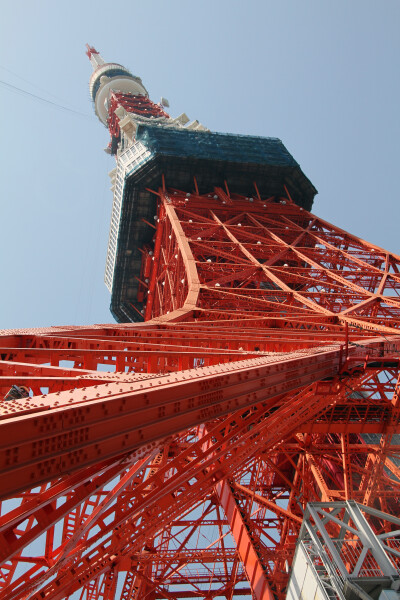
(180, 155)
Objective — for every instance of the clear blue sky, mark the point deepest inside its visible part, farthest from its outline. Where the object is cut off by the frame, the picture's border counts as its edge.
(321, 75)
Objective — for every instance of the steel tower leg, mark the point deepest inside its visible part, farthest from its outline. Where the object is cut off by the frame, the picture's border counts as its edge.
(265, 377)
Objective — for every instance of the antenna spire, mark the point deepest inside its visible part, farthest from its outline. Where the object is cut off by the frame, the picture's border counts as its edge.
(94, 57)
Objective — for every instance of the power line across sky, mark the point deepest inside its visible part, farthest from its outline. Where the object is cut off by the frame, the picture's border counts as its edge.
(23, 92)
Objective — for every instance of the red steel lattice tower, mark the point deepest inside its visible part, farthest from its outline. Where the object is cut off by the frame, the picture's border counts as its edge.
(254, 369)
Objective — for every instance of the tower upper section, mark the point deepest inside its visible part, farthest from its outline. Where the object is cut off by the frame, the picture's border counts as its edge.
(155, 151)
(107, 77)
(122, 103)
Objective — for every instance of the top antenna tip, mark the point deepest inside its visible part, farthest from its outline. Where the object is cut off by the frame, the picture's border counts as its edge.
(90, 50)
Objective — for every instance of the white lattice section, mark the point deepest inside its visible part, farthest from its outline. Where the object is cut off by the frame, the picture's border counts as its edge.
(127, 161)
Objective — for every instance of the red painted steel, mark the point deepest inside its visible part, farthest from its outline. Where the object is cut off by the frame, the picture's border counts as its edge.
(173, 458)
(138, 105)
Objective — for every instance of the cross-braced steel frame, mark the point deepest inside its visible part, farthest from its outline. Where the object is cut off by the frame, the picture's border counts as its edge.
(174, 458)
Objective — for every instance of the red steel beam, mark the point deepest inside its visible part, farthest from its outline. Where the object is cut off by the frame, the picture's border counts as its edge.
(103, 421)
(106, 420)
(241, 533)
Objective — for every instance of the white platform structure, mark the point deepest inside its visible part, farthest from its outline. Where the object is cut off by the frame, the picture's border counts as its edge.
(339, 557)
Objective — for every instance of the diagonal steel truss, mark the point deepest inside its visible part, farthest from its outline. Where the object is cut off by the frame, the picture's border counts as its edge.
(174, 458)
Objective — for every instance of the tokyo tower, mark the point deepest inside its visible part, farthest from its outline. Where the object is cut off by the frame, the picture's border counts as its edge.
(253, 370)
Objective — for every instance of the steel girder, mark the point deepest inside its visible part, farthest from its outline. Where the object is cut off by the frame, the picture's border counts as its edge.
(174, 458)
